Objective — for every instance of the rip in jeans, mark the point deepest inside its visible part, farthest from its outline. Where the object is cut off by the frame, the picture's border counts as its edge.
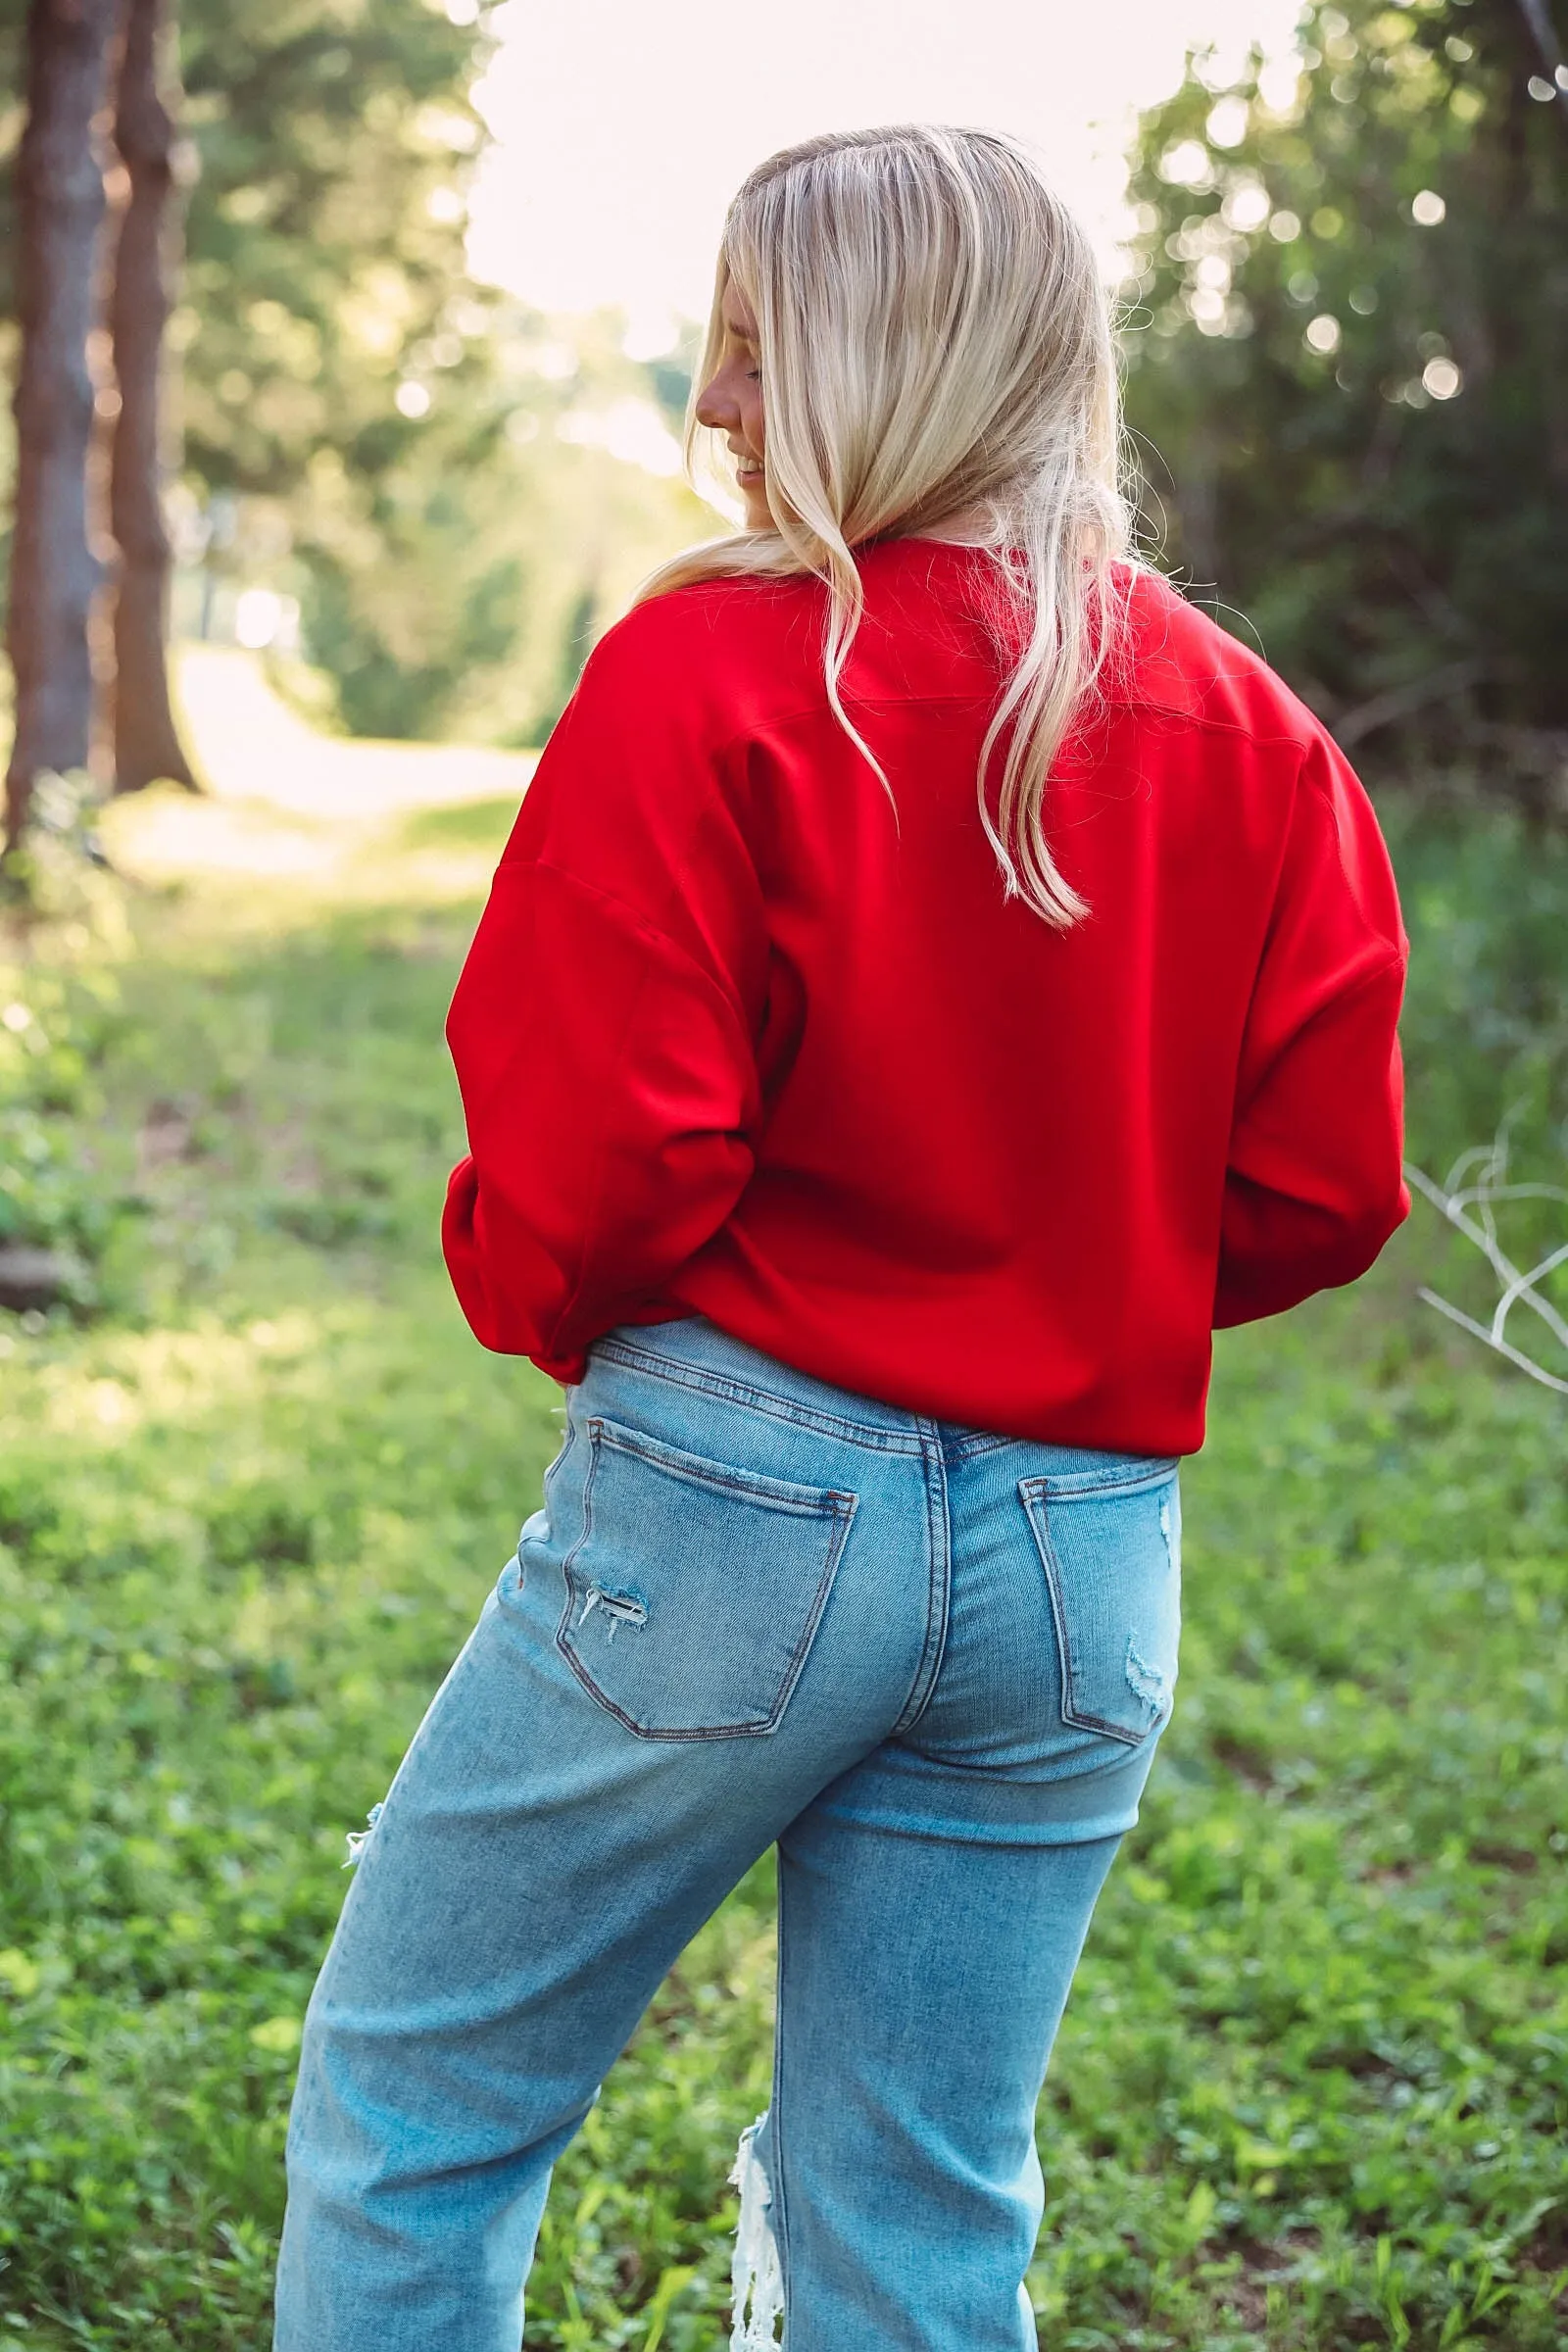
(621, 1608)
(357, 1838)
(755, 2278)
(1145, 1682)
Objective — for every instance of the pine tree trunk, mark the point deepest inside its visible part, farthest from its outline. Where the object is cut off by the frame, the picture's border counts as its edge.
(60, 203)
(146, 741)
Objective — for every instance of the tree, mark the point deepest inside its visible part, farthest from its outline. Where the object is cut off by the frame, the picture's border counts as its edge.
(77, 52)
(423, 465)
(325, 259)
(1350, 349)
(329, 331)
(60, 206)
(146, 741)
(360, 407)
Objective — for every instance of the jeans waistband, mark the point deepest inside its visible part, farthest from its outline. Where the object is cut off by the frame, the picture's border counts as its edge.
(699, 1352)
(699, 1346)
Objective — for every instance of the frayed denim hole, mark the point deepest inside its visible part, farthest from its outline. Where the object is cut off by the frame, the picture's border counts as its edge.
(756, 2278)
(1145, 1682)
(357, 1840)
(619, 1609)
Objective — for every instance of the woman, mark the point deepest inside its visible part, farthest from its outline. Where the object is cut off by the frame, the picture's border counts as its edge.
(936, 977)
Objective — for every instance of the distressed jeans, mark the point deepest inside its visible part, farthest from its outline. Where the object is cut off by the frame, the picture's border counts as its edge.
(931, 1664)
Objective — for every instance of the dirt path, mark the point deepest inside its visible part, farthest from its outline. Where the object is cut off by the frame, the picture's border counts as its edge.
(285, 802)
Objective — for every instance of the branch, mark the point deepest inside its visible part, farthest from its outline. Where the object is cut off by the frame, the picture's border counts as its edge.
(1470, 1211)
(1515, 1355)
(1400, 700)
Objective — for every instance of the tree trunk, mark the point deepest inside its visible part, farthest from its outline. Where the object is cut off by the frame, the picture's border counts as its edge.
(147, 745)
(60, 203)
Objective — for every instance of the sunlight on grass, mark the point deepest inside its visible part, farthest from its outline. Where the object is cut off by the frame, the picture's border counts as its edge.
(118, 1380)
(237, 853)
(296, 824)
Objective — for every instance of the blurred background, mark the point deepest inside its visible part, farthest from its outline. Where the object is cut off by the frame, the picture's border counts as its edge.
(350, 346)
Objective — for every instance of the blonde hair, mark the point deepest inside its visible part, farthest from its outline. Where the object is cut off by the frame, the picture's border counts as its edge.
(936, 350)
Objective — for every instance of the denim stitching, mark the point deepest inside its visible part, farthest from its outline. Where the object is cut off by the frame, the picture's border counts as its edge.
(550, 1476)
(723, 1731)
(570, 1557)
(781, 2232)
(939, 1542)
(763, 1401)
(1032, 1492)
(980, 1441)
(778, 1493)
(871, 1434)
(841, 1510)
(1066, 1485)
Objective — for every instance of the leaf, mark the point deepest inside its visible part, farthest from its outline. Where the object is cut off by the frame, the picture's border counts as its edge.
(280, 2034)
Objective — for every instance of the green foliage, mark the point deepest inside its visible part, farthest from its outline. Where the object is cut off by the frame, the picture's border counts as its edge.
(1311, 2075)
(1310, 2092)
(417, 459)
(1486, 1035)
(402, 642)
(1485, 1027)
(325, 283)
(58, 1020)
(457, 590)
(363, 425)
(330, 144)
(1352, 311)
(325, 234)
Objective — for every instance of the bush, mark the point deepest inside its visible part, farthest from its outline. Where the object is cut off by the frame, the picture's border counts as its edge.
(63, 931)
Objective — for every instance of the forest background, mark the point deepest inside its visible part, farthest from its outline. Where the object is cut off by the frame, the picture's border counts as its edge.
(1313, 2089)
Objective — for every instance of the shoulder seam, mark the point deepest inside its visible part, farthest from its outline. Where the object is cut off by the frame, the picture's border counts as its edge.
(635, 916)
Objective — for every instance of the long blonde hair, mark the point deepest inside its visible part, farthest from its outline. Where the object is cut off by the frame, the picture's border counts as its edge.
(936, 360)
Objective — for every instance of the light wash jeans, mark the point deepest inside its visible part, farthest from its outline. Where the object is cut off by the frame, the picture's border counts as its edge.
(932, 1664)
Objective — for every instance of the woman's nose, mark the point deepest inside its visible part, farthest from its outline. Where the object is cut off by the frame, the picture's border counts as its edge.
(716, 407)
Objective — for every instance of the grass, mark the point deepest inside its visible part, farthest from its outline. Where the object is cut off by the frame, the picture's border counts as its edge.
(1313, 2081)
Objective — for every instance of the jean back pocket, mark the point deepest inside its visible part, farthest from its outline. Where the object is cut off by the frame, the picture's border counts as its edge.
(1111, 1553)
(694, 1591)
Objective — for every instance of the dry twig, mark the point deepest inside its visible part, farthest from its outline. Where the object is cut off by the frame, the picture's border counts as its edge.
(1475, 1185)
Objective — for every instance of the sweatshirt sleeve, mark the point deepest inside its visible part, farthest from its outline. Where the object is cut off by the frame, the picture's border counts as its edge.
(603, 1024)
(1313, 1186)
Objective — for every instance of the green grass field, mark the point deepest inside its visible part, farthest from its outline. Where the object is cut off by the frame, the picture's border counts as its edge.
(1312, 2087)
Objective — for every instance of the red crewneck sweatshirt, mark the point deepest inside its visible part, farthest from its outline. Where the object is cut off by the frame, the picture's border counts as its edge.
(740, 1036)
